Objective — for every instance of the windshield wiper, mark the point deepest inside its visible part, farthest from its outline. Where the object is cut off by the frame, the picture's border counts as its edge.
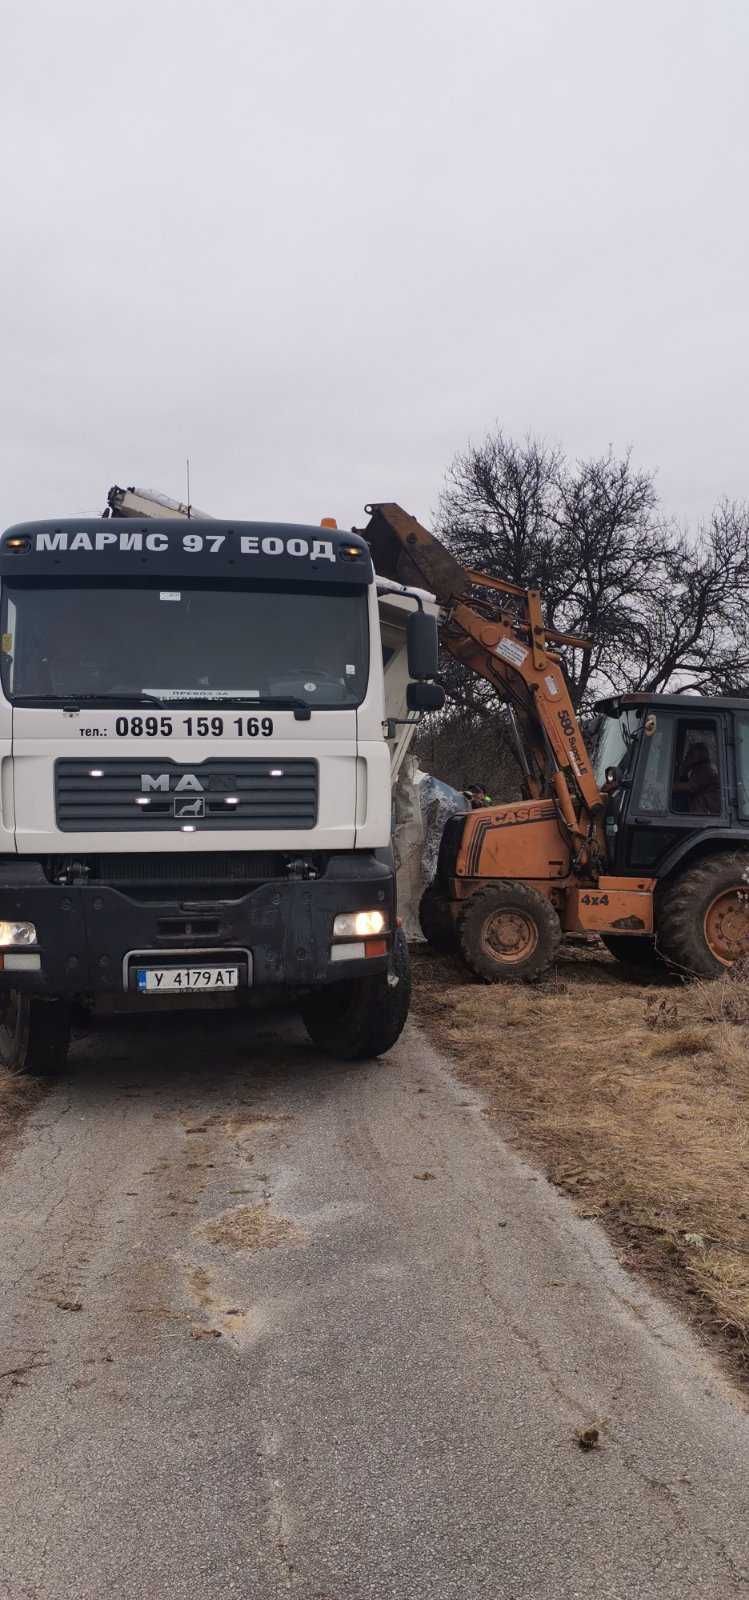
(73, 702)
(141, 697)
(281, 702)
(284, 702)
(271, 702)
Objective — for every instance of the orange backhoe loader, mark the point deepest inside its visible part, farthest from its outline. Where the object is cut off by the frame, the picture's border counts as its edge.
(647, 846)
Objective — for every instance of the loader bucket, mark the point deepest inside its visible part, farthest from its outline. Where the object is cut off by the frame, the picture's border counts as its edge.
(406, 552)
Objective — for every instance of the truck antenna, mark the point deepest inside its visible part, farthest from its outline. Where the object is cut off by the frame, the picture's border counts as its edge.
(189, 507)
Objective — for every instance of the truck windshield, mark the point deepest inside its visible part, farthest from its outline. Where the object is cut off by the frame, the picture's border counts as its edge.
(179, 641)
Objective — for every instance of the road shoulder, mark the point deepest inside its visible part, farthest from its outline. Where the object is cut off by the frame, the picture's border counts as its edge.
(630, 1094)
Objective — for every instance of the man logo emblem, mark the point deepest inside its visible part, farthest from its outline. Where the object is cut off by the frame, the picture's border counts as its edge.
(189, 808)
(162, 782)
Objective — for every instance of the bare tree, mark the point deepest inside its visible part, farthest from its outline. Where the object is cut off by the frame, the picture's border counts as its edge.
(665, 610)
(589, 536)
(611, 551)
(662, 609)
(692, 630)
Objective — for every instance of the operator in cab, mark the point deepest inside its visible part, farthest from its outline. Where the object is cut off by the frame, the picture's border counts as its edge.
(699, 780)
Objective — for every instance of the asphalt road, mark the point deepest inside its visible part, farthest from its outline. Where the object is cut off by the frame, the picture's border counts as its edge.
(383, 1401)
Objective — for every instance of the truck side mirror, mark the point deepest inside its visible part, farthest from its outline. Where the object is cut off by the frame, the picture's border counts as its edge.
(425, 696)
(422, 645)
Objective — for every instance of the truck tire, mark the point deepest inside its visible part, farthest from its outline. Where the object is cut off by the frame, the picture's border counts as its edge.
(634, 951)
(508, 933)
(436, 923)
(362, 1017)
(34, 1033)
(703, 917)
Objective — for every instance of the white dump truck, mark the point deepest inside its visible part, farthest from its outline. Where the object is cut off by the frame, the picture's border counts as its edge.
(195, 790)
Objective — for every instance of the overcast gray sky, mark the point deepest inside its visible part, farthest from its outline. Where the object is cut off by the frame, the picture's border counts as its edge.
(320, 245)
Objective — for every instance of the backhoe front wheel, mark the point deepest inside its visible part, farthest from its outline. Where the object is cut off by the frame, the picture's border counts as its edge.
(362, 1017)
(34, 1033)
(508, 933)
(703, 917)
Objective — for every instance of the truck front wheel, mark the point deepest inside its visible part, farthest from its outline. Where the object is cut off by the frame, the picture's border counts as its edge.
(34, 1033)
(362, 1017)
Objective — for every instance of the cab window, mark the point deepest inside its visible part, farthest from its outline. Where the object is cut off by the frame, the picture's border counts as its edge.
(658, 756)
(742, 761)
(682, 773)
(613, 743)
(696, 786)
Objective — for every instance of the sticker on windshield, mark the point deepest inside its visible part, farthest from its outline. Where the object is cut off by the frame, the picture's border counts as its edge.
(310, 687)
(7, 643)
(170, 594)
(350, 670)
(203, 693)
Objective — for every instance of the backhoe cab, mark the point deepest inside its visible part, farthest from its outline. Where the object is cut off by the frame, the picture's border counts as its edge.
(677, 771)
(647, 844)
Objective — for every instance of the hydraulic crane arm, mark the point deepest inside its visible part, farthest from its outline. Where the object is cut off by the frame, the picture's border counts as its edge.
(508, 646)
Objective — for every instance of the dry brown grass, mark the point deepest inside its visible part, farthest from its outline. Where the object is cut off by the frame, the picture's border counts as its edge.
(635, 1096)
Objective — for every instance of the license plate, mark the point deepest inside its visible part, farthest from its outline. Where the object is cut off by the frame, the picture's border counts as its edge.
(185, 980)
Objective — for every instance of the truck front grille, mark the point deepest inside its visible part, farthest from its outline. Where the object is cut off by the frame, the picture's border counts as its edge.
(176, 869)
(165, 796)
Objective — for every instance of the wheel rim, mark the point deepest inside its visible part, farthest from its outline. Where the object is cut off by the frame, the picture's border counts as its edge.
(10, 1025)
(509, 936)
(727, 925)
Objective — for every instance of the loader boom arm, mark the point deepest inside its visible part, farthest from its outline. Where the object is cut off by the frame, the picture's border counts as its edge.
(509, 646)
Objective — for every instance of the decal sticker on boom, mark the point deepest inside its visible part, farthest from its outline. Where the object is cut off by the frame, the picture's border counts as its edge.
(577, 759)
(511, 651)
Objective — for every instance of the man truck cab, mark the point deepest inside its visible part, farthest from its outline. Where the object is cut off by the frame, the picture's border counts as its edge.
(195, 775)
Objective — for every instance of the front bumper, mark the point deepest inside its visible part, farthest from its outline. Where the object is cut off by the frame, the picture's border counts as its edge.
(90, 935)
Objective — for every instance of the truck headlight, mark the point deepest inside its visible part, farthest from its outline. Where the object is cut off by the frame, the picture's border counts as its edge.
(12, 933)
(358, 924)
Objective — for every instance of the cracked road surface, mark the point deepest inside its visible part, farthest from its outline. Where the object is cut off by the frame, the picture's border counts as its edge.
(272, 1326)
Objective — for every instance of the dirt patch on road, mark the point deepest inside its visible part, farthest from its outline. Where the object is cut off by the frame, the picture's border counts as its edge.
(249, 1121)
(17, 1097)
(251, 1228)
(634, 1096)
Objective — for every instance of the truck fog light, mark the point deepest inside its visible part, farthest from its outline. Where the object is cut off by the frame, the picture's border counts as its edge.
(358, 924)
(348, 952)
(17, 933)
(26, 961)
